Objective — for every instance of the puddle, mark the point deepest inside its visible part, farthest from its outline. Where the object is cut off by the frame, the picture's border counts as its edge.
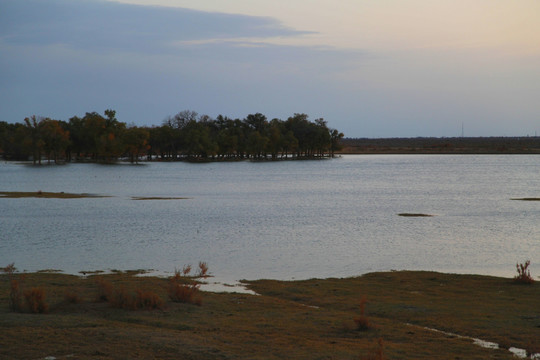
(520, 353)
(222, 287)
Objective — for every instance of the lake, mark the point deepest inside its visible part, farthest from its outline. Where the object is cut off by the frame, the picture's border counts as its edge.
(281, 220)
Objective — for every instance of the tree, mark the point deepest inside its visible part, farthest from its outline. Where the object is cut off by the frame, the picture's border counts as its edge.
(55, 139)
(103, 135)
(256, 144)
(34, 137)
(335, 141)
(136, 142)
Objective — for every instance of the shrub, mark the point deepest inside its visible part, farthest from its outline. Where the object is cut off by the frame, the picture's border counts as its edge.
(147, 300)
(121, 299)
(184, 293)
(35, 299)
(203, 270)
(362, 322)
(184, 289)
(524, 275)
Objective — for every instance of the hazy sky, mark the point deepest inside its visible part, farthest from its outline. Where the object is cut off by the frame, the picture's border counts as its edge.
(381, 68)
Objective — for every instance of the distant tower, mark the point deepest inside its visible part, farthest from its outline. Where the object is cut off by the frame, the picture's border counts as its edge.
(462, 130)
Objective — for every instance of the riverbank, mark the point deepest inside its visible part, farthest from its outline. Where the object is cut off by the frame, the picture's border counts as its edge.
(404, 315)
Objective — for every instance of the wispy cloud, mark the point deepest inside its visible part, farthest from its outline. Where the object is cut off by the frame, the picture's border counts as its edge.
(106, 26)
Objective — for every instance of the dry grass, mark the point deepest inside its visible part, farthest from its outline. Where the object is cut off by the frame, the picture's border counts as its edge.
(290, 319)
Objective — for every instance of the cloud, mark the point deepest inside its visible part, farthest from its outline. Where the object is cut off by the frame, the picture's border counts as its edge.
(64, 57)
(109, 26)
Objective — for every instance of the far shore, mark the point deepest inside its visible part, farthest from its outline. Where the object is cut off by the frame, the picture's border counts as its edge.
(443, 145)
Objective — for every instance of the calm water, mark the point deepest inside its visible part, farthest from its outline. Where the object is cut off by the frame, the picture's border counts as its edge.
(279, 220)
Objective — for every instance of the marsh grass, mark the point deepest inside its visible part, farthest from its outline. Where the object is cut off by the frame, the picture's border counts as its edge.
(289, 319)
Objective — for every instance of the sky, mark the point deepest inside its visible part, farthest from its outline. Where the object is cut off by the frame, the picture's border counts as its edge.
(385, 68)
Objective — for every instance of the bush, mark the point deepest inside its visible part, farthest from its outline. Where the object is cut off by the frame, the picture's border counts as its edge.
(524, 275)
(183, 288)
(121, 299)
(184, 293)
(147, 300)
(35, 299)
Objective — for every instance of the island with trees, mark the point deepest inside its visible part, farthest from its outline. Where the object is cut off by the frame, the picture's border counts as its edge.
(184, 136)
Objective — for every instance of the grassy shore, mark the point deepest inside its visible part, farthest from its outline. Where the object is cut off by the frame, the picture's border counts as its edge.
(311, 319)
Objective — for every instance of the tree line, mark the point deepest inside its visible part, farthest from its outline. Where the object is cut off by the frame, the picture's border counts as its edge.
(184, 136)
